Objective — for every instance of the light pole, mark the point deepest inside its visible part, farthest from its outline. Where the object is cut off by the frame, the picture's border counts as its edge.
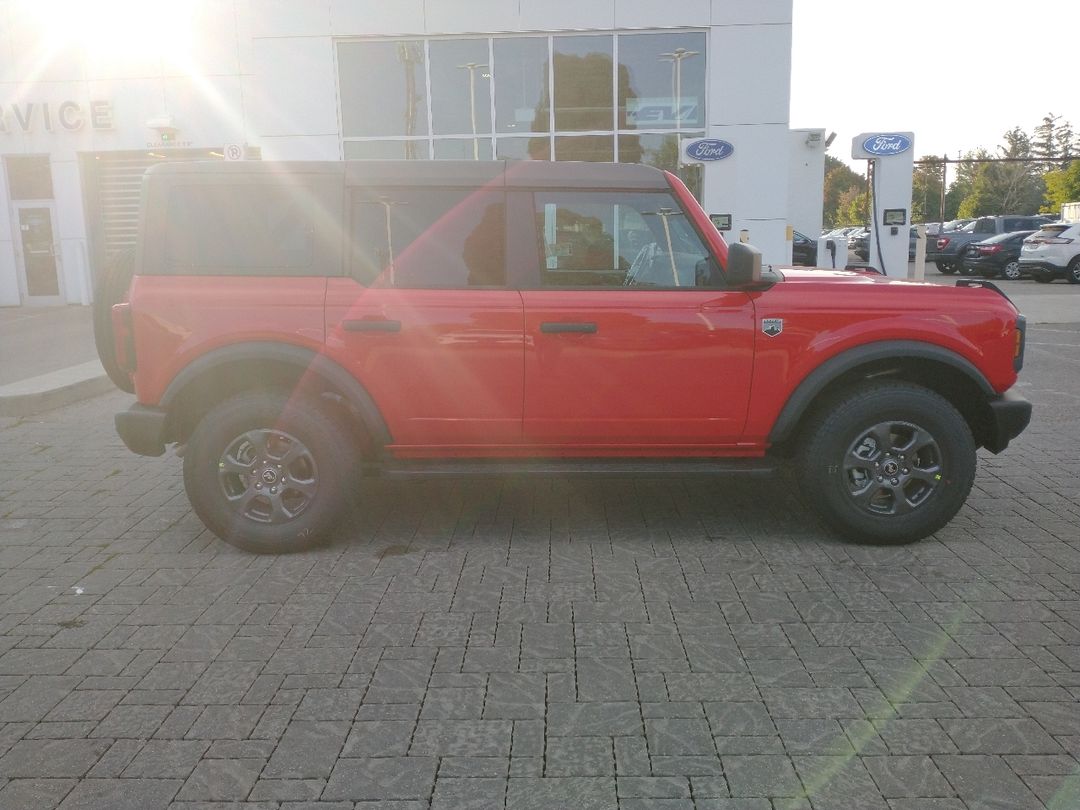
(472, 68)
(676, 58)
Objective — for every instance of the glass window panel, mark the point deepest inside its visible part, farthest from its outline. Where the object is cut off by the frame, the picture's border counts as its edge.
(434, 237)
(583, 76)
(619, 240)
(538, 148)
(463, 148)
(597, 148)
(662, 151)
(460, 86)
(29, 177)
(382, 88)
(521, 84)
(218, 230)
(386, 150)
(654, 70)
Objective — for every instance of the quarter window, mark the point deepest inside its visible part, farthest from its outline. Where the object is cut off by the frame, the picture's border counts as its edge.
(253, 229)
(619, 240)
(430, 238)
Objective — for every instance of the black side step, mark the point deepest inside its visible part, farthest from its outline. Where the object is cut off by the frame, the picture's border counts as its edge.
(570, 468)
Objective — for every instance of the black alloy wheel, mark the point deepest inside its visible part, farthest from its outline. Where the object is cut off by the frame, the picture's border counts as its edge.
(887, 462)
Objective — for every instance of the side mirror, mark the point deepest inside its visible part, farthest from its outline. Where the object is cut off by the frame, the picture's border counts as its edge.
(743, 265)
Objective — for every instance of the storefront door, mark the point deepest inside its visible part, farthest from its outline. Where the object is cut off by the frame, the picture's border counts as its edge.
(38, 254)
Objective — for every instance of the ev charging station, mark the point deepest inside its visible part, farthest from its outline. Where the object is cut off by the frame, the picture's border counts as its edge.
(891, 156)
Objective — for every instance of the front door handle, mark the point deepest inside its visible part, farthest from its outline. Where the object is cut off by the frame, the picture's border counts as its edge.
(559, 327)
(371, 325)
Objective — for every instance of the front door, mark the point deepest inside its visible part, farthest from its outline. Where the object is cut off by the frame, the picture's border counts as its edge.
(38, 254)
(632, 344)
(426, 322)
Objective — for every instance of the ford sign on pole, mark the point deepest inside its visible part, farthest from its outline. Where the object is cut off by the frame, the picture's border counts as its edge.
(887, 144)
(708, 149)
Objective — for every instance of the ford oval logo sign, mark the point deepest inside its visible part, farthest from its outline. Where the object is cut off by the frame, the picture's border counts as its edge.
(709, 149)
(887, 144)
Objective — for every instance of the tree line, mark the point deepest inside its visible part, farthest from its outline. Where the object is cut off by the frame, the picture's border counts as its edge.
(1047, 177)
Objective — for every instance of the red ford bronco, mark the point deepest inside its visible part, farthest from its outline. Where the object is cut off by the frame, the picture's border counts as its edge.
(296, 327)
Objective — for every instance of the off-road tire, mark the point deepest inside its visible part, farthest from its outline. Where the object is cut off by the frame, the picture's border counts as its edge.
(830, 467)
(312, 489)
(111, 288)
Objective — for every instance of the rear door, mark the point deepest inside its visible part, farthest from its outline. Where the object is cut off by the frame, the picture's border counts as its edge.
(632, 344)
(425, 320)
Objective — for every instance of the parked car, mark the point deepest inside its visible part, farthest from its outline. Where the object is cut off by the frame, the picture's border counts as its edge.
(1053, 252)
(861, 244)
(803, 250)
(948, 249)
(296, 328)
(997, 256)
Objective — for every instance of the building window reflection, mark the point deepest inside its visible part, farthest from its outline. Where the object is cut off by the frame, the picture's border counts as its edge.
(631, 97)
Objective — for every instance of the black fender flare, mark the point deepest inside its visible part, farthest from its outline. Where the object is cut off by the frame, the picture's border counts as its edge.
(304, 360)
(802, 398)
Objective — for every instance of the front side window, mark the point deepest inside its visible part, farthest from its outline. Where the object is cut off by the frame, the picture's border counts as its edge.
(429, 238)
(594, 239)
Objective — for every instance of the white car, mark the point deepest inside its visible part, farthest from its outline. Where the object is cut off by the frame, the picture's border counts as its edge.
(1053, 252)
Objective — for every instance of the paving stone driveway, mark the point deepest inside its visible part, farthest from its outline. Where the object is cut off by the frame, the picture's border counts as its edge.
(603, 644)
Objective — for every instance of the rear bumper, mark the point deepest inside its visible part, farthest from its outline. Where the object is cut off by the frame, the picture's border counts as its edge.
(1028, 265)
(1010, 414)
(143, 429)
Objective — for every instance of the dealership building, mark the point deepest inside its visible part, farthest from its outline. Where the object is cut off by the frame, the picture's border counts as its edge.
(91, 94)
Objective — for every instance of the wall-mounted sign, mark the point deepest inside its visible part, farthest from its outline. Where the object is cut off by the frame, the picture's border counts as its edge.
(69, 116)
(887, 144)
(894, 216)
(708, 149)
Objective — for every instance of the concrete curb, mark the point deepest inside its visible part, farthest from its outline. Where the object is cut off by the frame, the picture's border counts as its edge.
(54, 390)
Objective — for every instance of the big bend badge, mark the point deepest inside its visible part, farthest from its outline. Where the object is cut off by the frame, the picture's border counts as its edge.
(772, 326)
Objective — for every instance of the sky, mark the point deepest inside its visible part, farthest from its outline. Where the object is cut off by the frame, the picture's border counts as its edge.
(957, 73)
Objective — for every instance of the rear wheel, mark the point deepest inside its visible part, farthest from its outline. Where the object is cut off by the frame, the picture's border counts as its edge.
(945, 267)
(1042, 276)
(268, 472)
(887, 463)
(1011, 270)
(1072, 273)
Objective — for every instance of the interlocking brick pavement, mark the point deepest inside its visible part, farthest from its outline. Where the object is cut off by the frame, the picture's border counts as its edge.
(671, 645)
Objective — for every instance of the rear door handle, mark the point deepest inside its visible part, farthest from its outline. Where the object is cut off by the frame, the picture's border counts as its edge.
(371, 325)
(558, 327)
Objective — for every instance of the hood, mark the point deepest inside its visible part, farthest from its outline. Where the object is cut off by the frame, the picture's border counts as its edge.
(824, 274)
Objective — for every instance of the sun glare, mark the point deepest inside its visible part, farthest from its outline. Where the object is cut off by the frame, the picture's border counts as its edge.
(118, 29)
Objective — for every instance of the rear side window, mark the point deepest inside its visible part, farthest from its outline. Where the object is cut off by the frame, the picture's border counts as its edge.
(984, 226)
(254, 229)
(429, 238)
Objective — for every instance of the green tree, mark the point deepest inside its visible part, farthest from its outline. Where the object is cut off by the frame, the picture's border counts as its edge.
(926, 191)
(1000, 188)
(852, 207)
(1062, 186)
(1045, 145)
(839, 180)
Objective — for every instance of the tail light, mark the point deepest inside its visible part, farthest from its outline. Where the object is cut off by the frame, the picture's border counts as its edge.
(942, 243)
(124, 336)
(989, 250)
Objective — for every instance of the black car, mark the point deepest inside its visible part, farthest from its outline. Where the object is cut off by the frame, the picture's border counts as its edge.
(997, 256)
(803, 250)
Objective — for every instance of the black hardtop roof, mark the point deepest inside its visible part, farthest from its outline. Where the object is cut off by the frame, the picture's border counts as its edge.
(509, 173)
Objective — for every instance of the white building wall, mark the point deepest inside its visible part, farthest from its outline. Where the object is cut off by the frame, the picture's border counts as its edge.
(263, 72)
(806, 180)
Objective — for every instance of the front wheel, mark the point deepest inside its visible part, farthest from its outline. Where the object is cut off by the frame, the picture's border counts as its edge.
(268, 472)
(887, 463)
